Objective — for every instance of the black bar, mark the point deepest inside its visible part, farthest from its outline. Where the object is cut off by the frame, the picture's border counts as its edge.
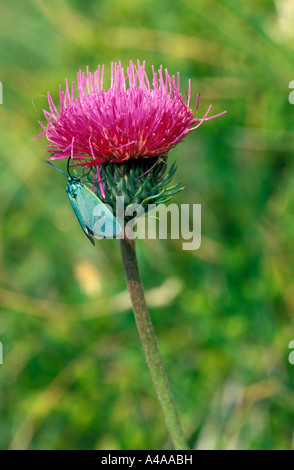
(105, 458)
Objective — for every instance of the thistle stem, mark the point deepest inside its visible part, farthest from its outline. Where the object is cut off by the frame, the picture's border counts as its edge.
(150, 345)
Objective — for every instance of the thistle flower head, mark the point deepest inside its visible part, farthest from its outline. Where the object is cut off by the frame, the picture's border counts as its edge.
(133, 118)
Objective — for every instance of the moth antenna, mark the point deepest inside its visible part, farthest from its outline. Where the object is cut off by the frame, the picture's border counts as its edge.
(60, 171)
(68, 167)
(69, 174)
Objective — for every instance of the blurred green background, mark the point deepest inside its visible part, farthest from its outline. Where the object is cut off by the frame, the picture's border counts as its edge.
(73, 373)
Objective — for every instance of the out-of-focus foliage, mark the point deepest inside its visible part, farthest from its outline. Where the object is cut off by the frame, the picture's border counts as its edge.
(73, 373)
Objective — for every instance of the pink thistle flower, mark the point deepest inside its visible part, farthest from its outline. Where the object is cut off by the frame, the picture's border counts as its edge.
(131, 119)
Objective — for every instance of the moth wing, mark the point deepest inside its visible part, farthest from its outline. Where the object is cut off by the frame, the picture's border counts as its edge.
(78, 199)
(99, 220)
(94, 217)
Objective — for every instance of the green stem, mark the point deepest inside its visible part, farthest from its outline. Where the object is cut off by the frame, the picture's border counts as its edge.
(149, 343)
